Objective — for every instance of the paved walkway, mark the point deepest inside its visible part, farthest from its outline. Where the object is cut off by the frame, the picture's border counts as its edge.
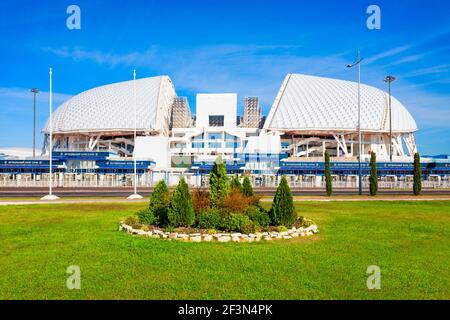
(267, 199)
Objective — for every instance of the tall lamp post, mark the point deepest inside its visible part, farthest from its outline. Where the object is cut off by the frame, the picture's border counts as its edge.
(50, 195)
(388, 80)
(358, 64)
(35, 91)
(135, 195)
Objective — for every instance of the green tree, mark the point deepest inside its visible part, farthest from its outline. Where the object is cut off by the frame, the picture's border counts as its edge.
(417, 188)
(328, 180)
(159, 203)
(218, 183)
(373, 179)
(235, 183)
(247, 188)
(181, 211)
(282, 212)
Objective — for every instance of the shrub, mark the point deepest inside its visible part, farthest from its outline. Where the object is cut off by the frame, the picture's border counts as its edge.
(250, 227)
(218, 183)
(235, 202)
(282, 212)
(282, 229)
(159, 204)
(146, 216)
(200, 200)
(209, 219)
(303, 222)
(328, 180)
(258, 216)
(417, 187)
(181, 212)
(234, 222)
(133, 222)
(247, 188)
(373, 179)
(212, 231)
(235, 183)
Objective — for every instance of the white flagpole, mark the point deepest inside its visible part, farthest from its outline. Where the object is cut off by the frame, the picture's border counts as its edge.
(135, 195)
(50, 195)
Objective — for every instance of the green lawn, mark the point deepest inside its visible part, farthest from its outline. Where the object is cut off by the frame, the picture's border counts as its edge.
(410, 241)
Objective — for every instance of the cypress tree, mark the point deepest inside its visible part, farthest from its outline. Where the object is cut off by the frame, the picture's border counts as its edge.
(235, 183)
(159, 202)
(218, 182)
(417, 188)
(328, 180)
(282, 212)
(181, 211)
(247, 188)
(373, 179)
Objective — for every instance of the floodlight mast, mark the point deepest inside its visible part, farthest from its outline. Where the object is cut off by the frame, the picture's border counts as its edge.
(358, 64)
(389, 80)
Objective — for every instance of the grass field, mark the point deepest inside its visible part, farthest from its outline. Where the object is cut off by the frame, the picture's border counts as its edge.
(410, 241)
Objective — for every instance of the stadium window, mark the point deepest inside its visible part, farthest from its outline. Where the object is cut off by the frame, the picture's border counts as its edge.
(216, 121)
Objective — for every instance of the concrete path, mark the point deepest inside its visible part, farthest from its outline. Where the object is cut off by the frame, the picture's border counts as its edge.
(267, 199)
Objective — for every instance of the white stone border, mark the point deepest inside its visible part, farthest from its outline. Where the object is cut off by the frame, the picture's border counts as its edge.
(222, 237)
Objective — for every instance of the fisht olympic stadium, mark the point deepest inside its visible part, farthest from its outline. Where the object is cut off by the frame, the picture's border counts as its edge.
(94, 145)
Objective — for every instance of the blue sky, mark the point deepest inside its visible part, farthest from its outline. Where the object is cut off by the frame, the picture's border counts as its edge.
(223, 46)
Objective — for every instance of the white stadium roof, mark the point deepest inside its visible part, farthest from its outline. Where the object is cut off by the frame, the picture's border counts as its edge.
(316, 104)
(110, 108)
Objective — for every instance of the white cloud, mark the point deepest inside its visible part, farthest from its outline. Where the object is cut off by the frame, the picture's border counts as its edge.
(387, 54)
(259, 70)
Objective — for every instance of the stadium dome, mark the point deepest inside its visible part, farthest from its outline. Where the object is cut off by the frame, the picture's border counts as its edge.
(316, 104)
(110, 108)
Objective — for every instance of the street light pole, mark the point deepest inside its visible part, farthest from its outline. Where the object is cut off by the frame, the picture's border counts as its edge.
(50, 195)
(389, 80)
(358, 63)
(35, 92)
(135, 195)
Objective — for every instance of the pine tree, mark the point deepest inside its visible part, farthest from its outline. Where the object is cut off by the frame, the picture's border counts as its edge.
(282, 212)
(218, 182)
(328, 180)
(235, 183)
(373, 179)
(159, 202)
(247, 188)
(181, 211)
(417, 188)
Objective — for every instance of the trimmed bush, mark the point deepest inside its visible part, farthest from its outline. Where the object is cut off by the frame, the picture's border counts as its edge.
(258, 216)
(250, 227)
(417, 187)
(247, 188)
(200, 200)
(235, 202)
(218, 183)
(234, 222)
(159, 204)
(235, 183)
(282, 212)
(328, 179)
(133, 221)
(209, 219)
(146, 216)
(181, 212)
(373, 179)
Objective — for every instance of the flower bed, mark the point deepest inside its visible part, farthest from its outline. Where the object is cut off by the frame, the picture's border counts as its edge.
(222, 236)
(230, 207)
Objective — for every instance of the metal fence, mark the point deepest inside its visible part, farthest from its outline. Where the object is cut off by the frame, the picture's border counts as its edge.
(196, 181)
